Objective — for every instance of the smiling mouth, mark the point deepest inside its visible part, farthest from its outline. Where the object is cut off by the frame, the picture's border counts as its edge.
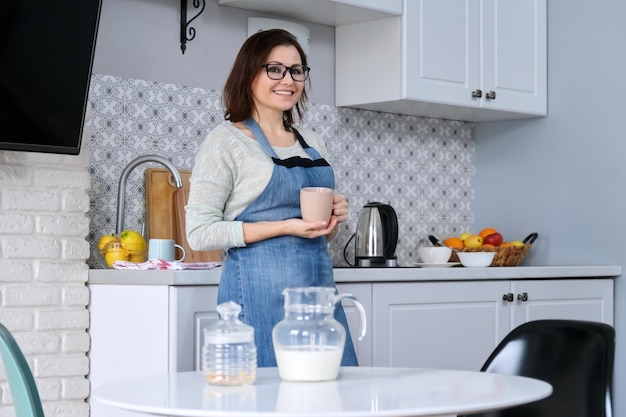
(284, 93)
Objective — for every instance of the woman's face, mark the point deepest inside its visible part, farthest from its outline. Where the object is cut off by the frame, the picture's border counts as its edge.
(277, 95)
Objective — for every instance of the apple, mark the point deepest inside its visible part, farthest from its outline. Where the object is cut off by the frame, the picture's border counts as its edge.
(494, 239)
(473, 241)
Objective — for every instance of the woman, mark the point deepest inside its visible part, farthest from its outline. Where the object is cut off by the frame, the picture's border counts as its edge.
(245, 185)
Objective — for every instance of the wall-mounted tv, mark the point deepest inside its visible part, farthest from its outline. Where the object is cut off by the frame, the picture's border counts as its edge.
(46, 56)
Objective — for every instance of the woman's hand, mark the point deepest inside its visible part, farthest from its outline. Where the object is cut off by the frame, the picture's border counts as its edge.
(311, 230)
(255, 232)
(340, 207)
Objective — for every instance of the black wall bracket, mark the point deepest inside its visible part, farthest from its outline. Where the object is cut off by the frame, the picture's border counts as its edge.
(187, 33)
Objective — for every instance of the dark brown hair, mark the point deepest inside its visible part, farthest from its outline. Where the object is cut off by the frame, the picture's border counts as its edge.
(237, 95)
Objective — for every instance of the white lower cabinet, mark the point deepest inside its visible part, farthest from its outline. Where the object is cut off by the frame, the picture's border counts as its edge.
(448, 325)
(456, 325)
(193, 309)
(578, 299)
(363, 293)
(143, 330)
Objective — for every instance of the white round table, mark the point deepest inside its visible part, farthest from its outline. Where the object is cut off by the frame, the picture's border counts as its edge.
(358, 391)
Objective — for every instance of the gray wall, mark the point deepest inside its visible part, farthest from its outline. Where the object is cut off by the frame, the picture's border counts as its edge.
(563, 175)
(140, 39)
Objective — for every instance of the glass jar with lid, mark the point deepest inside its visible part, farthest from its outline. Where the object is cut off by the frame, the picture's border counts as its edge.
(229, 352)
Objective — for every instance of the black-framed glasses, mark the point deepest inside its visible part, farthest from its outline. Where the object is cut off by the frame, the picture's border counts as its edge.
(278, 71)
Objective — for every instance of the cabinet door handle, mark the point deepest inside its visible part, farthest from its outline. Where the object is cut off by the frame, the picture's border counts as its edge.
(523, 296)
(508, 297)
(477, 93)
(490, 95)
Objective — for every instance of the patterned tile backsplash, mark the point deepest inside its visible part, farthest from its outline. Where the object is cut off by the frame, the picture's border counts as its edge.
(422, 167)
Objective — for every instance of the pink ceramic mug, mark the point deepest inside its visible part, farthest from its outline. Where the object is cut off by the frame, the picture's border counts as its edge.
(316, 203)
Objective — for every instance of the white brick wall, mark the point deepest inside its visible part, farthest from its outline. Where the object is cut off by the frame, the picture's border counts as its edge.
(43, 273)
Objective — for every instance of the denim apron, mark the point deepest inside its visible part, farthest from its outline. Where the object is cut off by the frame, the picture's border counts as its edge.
(255, 276)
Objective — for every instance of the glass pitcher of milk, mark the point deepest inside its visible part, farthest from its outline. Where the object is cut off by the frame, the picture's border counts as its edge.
(308, 342)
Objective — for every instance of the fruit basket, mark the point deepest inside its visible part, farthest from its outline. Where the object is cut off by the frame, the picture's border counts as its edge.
(505, 255)
(127, 246)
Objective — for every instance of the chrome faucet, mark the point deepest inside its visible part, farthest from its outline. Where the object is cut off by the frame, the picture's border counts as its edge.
(121, 190)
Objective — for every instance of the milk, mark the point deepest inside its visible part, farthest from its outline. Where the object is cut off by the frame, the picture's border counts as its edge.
(308, 363)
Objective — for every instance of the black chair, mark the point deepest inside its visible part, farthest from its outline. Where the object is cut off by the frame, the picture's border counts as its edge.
(575, 357)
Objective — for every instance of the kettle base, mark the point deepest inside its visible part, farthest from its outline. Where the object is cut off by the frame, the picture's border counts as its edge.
(377, 263)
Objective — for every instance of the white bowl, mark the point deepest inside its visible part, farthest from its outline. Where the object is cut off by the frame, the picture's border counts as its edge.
(476, 259)
(434, 254)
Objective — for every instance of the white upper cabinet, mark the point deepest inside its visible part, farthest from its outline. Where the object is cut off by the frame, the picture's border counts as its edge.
(326, 12)
(474, 60)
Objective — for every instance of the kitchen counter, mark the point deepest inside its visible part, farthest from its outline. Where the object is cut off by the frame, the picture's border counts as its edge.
(353, 275)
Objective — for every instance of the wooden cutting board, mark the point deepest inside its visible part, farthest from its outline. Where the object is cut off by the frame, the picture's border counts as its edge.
(165, 212)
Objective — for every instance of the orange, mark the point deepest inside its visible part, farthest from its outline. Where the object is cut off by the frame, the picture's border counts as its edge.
(506, 244)
(454, 242)
(487, 231)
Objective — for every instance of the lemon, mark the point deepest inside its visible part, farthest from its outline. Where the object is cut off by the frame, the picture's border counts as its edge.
(105, 240)
(464, 235)
(133, 241)
(138, 256)
(115, 252)
(517, 243)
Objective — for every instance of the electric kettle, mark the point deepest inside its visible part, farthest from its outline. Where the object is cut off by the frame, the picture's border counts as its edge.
(376, 235)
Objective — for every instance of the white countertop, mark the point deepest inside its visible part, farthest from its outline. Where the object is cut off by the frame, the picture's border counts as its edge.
(351, 275)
